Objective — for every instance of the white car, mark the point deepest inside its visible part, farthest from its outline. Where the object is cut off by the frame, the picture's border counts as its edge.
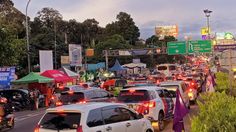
(153, 102)
(174, 85)
(93, 117)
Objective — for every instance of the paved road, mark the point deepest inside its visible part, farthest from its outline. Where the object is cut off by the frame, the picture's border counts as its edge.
(26, 121)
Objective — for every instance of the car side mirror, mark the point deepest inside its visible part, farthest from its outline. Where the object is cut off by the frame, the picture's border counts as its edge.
(140, 116)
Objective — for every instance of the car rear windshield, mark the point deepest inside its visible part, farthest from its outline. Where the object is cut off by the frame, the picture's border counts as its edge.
(71, 97)
(162, 68)
(128, 96)
(170, 87)
(60, 121)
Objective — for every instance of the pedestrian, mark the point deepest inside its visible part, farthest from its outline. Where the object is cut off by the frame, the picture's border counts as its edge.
(36, 98)
(210, 83)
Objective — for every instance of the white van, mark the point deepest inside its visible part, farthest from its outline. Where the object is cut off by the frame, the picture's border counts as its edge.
(167, 69)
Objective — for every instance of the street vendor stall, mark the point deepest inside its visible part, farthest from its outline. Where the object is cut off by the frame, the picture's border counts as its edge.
(37, 82)
(60, 78)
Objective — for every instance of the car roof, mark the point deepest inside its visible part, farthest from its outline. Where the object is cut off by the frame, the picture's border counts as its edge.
(86, 90)
(81, 108)
(144, 88)
(171, 83)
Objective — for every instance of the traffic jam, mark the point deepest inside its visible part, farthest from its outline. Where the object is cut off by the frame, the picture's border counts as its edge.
(141, 103)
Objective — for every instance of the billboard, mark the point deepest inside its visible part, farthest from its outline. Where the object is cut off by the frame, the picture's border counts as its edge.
(75, 54)
(45, 60)
(224, 35)
(205, 31)
(65, 60)
(7, 74)
(162, 31)
(89, 52)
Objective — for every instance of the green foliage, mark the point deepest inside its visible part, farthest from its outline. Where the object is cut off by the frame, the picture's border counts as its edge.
(223, 83)
(217, 114)
(125, 26)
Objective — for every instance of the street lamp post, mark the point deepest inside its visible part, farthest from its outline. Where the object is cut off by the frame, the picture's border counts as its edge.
(207, 14)
(27, 36)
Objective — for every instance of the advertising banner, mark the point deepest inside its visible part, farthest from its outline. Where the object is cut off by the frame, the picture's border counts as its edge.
(205, 31)
(45, 60)
(7, 74)
(163, 31)
(65, 60)
(75, 54)
(89, 52)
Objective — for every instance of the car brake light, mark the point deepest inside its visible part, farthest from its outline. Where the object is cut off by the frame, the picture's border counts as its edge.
(79, 129)
(132, 90)
(58, 103)
(192, 83)
(82, 102)
(36, 129)
(150, 104)
(71, 92)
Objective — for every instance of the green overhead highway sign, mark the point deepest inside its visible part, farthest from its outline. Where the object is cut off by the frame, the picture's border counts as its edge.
(174, 48)
(198, 46)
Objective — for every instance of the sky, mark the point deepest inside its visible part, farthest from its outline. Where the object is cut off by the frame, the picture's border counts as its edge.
(187, 14)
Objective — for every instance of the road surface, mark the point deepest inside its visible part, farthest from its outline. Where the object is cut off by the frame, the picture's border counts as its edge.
(25, 121)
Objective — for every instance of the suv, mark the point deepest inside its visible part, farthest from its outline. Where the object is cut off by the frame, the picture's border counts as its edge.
(93, 117)
(173, 86)
(153, 102)
(86, 95)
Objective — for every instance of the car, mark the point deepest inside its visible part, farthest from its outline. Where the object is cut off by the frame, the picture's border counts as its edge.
(58, 91)
(174, 85)
(19, 98)
(86, 95)
(153, 102)
(93, 117)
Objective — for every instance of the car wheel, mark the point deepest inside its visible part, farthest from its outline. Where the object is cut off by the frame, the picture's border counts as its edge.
(161, 123)
(149, 130)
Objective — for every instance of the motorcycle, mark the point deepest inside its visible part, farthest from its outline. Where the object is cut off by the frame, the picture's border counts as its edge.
(7, 118)
(7, 121)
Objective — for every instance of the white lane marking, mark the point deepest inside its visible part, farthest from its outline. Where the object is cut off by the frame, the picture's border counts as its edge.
(17, 119)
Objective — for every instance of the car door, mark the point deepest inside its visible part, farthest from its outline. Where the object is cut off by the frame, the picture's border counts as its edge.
(95, 121)
(113, 120)
(131, 122)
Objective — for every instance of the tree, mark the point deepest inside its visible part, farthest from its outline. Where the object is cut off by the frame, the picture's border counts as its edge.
(125, 26)
(112, 42)
(12, 50)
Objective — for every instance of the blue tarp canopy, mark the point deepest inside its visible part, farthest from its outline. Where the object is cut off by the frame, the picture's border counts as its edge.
(117, 67)
(94, 67)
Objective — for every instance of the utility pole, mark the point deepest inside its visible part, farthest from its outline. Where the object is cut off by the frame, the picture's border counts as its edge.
(27, 36)
(55, 44)
(106, 57)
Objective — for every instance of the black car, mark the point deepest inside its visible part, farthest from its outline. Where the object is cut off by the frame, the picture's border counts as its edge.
(86, 95)
(18, 97)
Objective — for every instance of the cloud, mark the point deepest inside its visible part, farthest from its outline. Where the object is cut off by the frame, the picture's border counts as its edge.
(188, 14)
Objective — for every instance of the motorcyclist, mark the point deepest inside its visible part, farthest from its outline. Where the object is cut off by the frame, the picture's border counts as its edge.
(6, 112)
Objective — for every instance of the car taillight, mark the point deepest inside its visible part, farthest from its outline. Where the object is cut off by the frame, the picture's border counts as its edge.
(192, 83)
(79, 129)
(82, 102)
(36, 129)
(58, 103)
(150, 104)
